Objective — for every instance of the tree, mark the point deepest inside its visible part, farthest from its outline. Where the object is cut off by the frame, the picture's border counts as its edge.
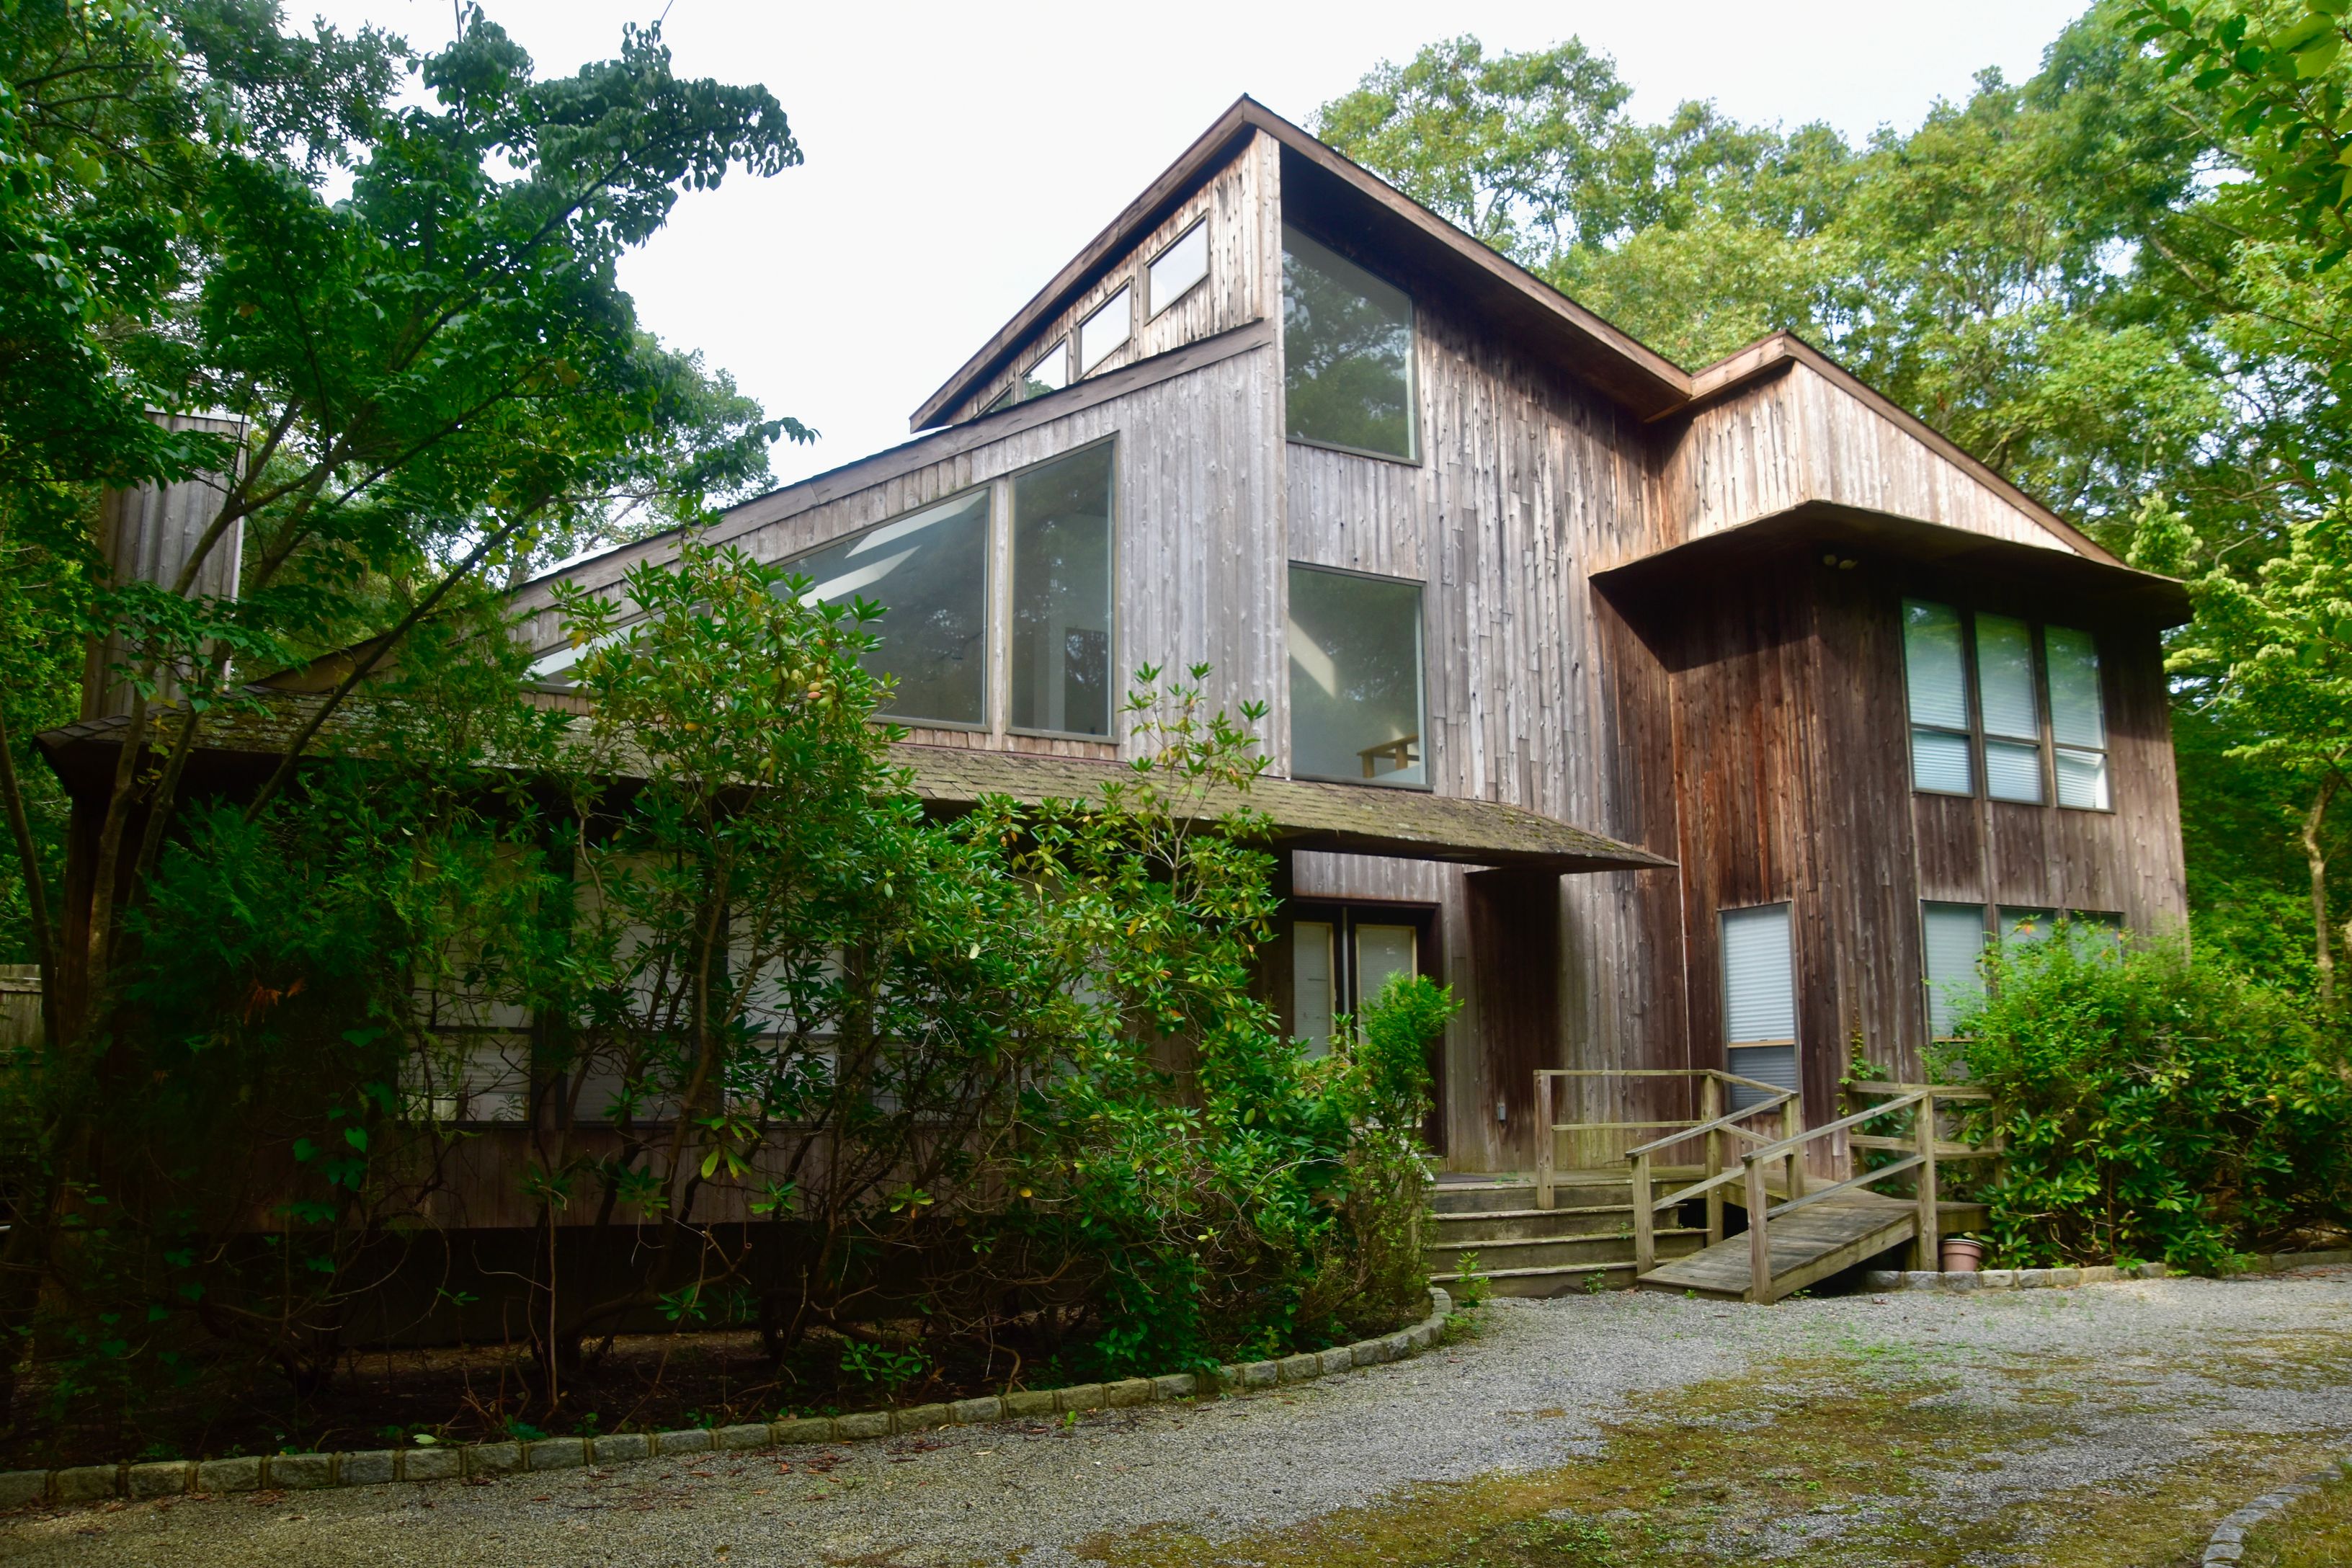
(435, 376)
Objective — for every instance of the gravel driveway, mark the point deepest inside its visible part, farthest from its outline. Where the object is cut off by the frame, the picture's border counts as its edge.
(2150, 1376)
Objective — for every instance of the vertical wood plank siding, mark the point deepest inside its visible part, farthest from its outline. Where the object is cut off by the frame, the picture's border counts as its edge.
(1236, 202)
(1525, 478)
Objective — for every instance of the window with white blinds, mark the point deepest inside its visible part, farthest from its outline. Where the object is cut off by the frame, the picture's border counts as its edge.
(1759, 1000)
(2025, 699)
(2078, 718)
(1935, 675)
(1954, 937)
(2012, 720)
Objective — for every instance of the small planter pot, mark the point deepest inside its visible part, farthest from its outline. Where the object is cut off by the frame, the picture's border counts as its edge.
(1963, 1255)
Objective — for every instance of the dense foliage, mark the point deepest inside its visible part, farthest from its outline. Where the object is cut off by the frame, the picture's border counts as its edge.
(2154, 1106)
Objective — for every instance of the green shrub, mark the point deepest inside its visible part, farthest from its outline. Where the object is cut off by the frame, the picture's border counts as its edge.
(2155, 1105)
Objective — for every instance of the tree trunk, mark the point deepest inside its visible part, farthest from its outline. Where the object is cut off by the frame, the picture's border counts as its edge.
(2315, 853)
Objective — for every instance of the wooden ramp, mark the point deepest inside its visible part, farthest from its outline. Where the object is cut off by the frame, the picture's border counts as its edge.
(1806, 1247)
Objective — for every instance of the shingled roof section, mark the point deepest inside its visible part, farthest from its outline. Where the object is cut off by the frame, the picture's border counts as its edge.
(1349, 819)
(242, 740)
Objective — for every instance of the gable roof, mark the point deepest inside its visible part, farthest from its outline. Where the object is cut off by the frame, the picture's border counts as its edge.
(1348, 201)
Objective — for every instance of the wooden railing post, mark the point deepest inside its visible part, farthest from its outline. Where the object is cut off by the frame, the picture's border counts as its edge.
(1710, 1106)
(1792, 1123)
(1759, 1241)
(1929, 1246)
(1645, 1238)
(1546, 1139)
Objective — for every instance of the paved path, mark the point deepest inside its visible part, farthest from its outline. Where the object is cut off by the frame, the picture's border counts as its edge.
(2196, 1361)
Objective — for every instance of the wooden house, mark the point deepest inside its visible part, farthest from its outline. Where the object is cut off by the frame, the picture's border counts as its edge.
(1675, 719)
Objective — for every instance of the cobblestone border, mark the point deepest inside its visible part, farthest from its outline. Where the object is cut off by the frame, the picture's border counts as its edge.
(474, 1461)
(2229, 1540)
(2060, 1278)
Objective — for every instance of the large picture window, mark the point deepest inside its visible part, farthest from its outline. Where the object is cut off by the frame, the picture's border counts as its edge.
(930, 572)
(1348, 345)
(1357, 708)
(1759, 1000)
(2033, 714)
(1061, 645)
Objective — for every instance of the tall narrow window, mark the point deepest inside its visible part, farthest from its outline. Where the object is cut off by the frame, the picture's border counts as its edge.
(1934, 673)
(1356, 703)
(1759, 1000)
(1347, 341)
(1061, 653)
(1174, 270)
(1106, 331)
(1314, 982)
(2012, 720)
(930, 572)
(2078, 718)
(1954, 936)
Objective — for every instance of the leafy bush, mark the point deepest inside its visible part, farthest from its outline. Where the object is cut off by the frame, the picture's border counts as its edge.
(2155, 1105)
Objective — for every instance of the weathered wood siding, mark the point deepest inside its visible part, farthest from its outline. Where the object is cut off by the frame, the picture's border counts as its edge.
(1796, 437)
(1241, 286)
(1525, 477)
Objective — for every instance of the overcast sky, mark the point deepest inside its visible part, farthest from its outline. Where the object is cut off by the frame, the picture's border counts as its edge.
(958, 155)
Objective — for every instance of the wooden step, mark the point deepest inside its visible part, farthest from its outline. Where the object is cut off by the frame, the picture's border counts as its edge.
(1507, 1224)
(1545, 1251)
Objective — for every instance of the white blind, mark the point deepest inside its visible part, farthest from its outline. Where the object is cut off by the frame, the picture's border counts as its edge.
(2026, 925)
(2005, 677)
(2078, 716)
(1381, 952)
(1310, 983)
(1934, 672)
(2013, 771)
(1955, 938)
(1775, 1065)
(2083, 779)
(1759, 998)
(1939, 761)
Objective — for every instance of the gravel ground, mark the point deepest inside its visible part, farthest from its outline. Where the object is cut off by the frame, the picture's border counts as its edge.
(2183, 1359)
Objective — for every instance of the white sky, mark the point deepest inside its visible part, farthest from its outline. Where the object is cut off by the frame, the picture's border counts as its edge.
(959, 154)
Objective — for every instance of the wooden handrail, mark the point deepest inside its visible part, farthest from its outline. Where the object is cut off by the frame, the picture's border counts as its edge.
(1781, 1098)
(1850, 1183)
(1940, 1090)
(1773, 1151)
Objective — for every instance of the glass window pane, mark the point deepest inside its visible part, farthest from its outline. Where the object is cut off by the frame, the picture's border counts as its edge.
(1381, 952)
(1934, 673)
(1050, 373)
(1178, 268)
(2005, 677)
(1939, 762)
(930, 572)
(2078, 715)
(1348, 339)
(1062, 594)
(2026, 925)
(1759, 998)
(1955, 940)
(1775, 1065)
(2083, 779)
(1311, 995)
(2014, 771)
(1356, 705)
(1107, 330)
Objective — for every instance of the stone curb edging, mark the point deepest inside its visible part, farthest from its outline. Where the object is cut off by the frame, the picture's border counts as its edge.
(2061, 1278)
(2229, 1540)
(478, 1461)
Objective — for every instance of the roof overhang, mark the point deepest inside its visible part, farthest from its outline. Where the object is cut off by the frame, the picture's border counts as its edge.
(1354, 819)
(240, 744)
(2095, 586)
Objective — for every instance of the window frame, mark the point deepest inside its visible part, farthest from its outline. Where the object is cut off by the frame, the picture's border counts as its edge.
(996, 506)
(1153, 306)
(1978, 739)
(1796, 1040)
(1417, 457)
(1001, 600)
(1076, 336)
(1420, 585)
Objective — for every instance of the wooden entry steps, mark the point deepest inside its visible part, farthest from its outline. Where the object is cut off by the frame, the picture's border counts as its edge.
(1584, 1242)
